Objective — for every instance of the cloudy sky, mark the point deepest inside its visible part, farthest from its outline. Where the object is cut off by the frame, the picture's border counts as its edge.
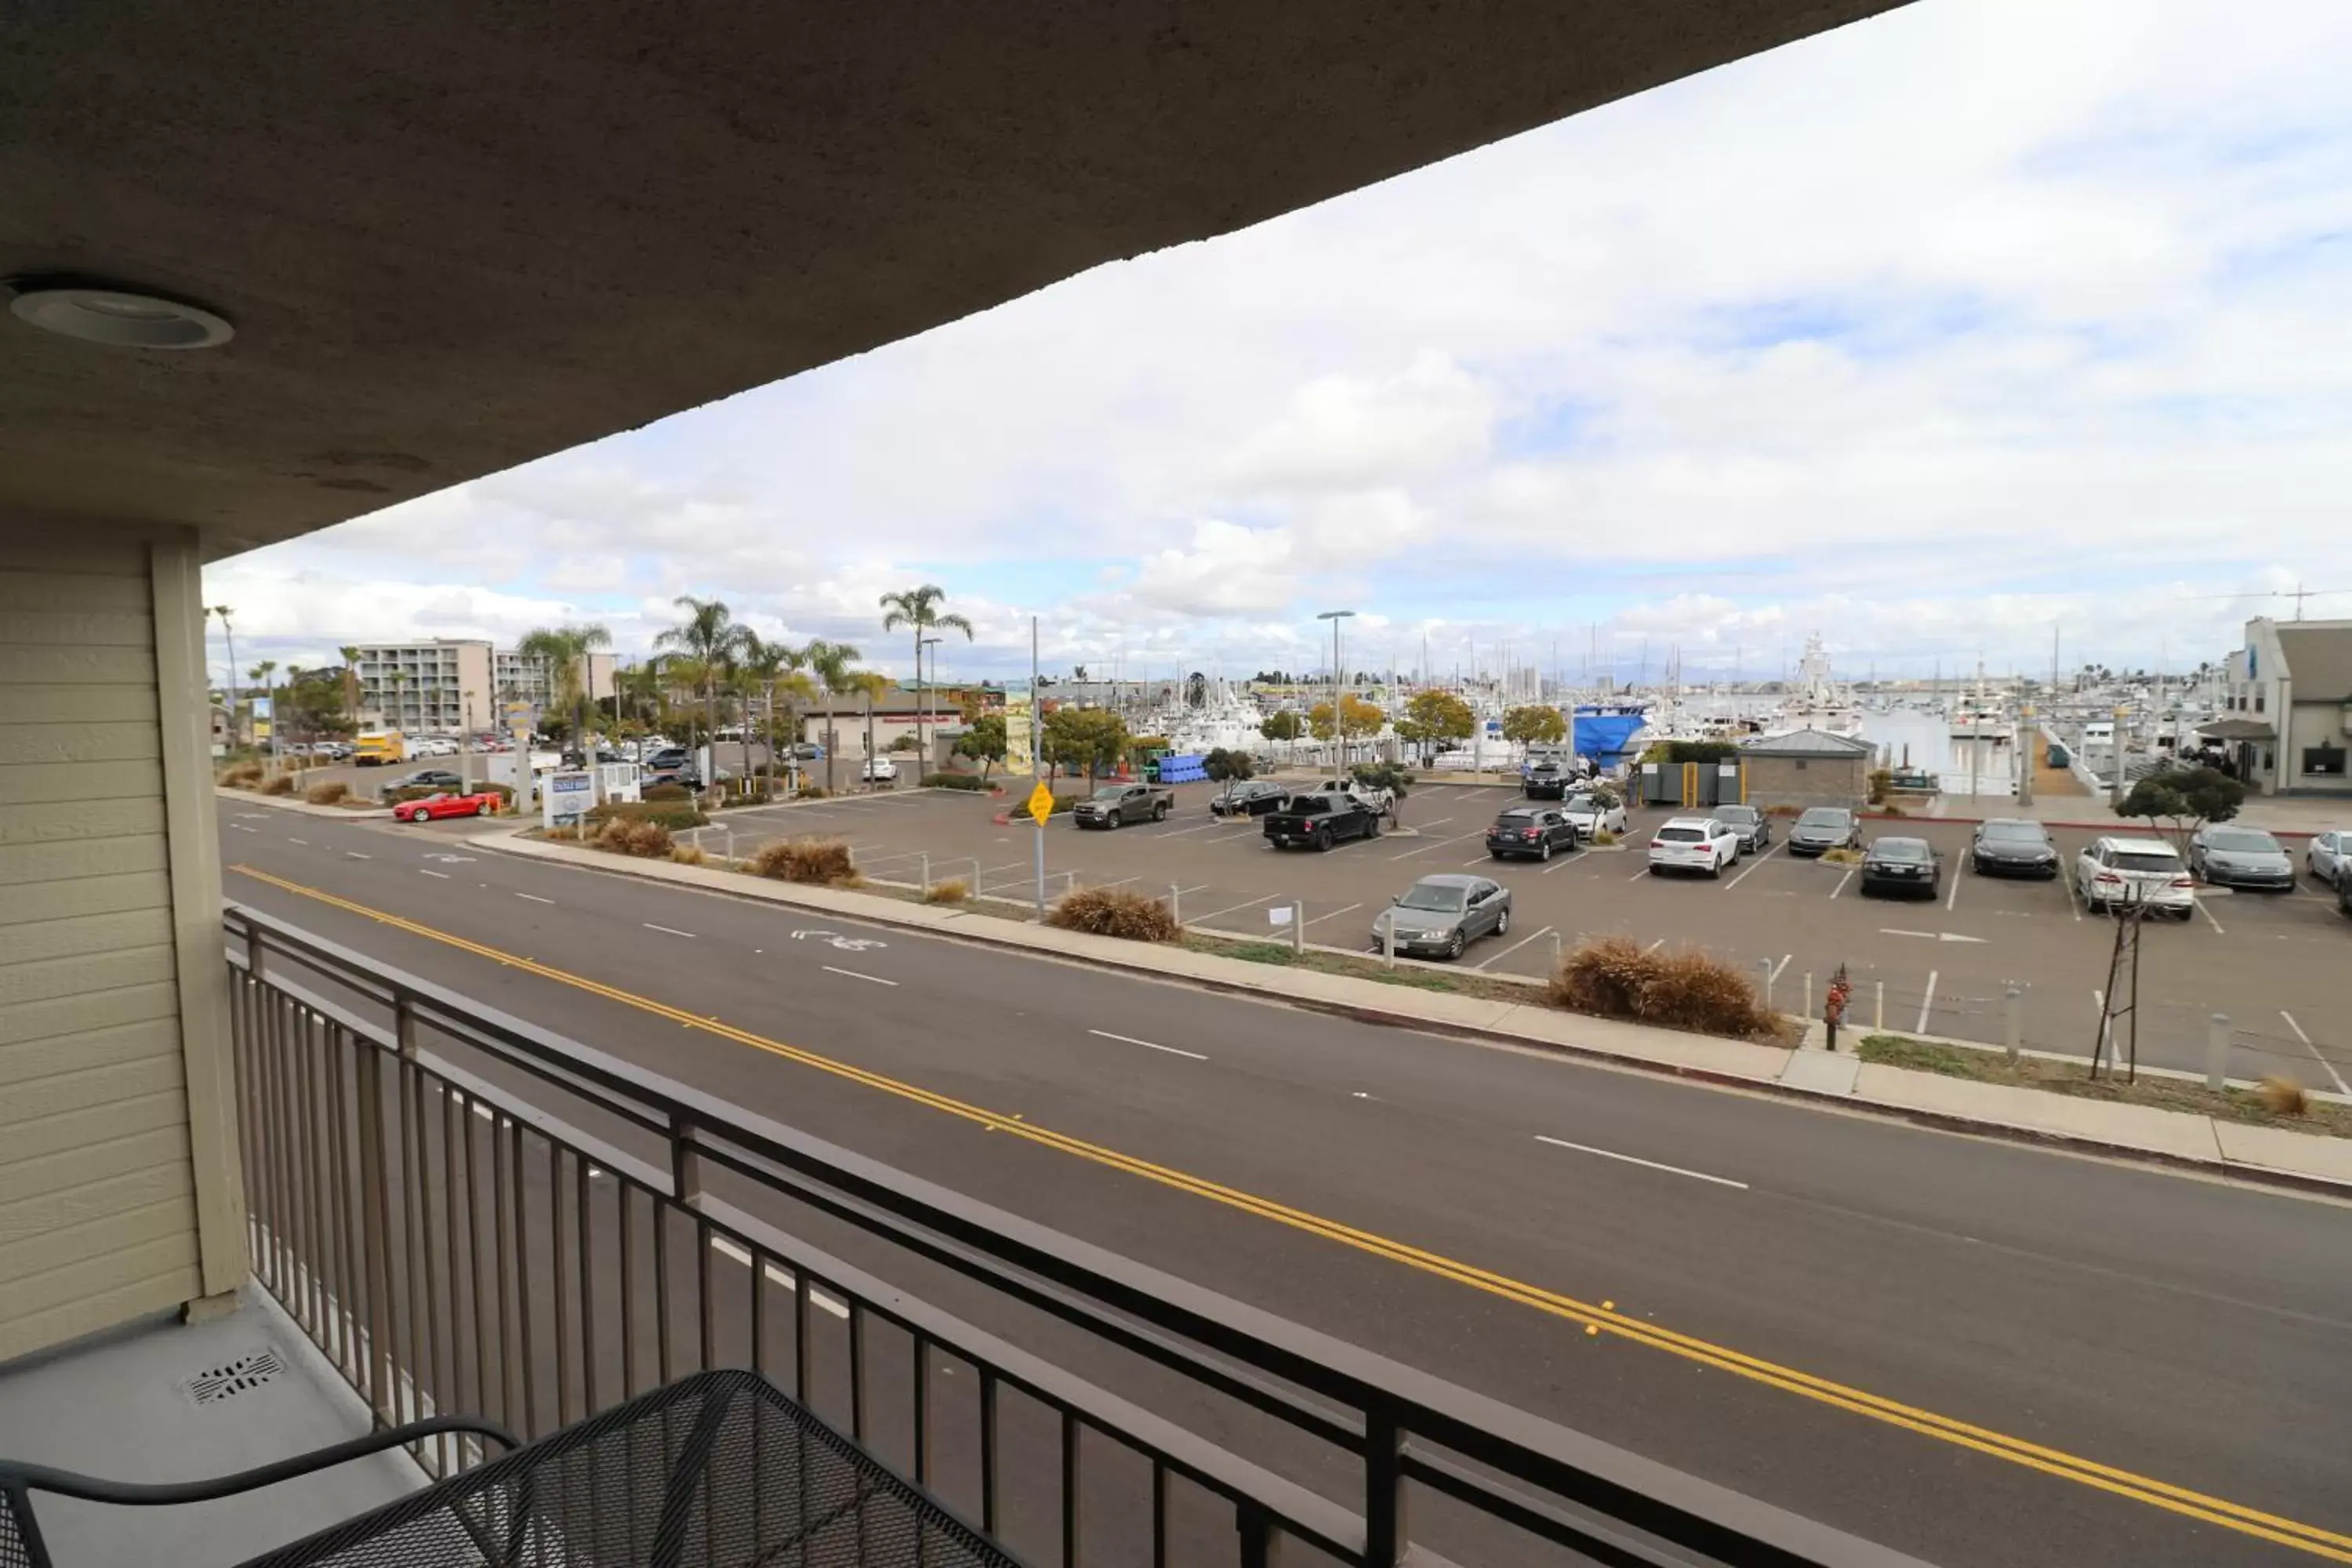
(1933, 334)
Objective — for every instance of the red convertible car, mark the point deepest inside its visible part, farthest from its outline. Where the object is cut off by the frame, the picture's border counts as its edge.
(439, 805)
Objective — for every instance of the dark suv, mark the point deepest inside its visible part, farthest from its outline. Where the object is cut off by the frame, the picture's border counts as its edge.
(2013, 846)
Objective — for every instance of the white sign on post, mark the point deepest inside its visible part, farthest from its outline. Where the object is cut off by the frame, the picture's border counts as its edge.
(569, 797)
(1280, 917)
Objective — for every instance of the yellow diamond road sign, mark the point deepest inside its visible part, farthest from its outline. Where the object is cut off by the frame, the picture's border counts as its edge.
(1041, 803)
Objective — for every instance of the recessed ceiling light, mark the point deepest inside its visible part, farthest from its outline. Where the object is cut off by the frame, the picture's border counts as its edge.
(120, 317)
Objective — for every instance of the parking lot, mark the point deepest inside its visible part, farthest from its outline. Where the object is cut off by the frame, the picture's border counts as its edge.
(2274, 963)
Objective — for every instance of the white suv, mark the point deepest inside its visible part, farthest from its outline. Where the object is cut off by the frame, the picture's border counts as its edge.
(1694, 844)
(2134, 870)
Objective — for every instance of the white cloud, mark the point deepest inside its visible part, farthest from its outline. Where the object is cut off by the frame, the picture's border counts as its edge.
(1939, 328)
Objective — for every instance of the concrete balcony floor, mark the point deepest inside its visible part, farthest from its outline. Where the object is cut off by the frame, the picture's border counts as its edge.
(127, 1406)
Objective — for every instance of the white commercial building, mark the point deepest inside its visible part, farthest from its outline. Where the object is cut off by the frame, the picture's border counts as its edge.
(457, 683)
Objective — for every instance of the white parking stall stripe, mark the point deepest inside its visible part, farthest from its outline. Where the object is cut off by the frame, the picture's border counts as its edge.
(1513, 948)
(1782, 964)
(1927, 1002)
(1850, 870)
(1751, 869)
(1953, 897)
(1440, 843)
(1341, 911)
(2327, 1066)
(1229, 909)
(2209, 915)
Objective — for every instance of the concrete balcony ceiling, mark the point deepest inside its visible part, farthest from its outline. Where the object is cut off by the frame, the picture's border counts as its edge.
(453, 238)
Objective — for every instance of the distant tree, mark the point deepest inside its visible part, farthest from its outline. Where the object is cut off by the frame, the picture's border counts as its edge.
(1092, 739)
(1224, 765)
(1433, 718)
(2187, 798)
(985, 743)
(1281, 725)
(1536, 724)
(1358, 719)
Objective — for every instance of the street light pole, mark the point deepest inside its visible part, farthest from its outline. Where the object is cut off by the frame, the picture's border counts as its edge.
(1338, 731)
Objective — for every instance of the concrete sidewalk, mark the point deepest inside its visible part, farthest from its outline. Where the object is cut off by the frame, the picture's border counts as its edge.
(2180, 1139)
(288, 803)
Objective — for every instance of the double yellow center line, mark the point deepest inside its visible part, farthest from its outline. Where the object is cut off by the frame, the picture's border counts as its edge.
(2312, 1539)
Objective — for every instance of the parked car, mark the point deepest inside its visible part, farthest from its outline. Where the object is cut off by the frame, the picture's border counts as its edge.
(2013, 846)
(1534, 831)
(1444, 915)
(1901, 865)
(1320, 820)
(579, 758)
(2327, 854)
(2343, 885)
(430, 778)
(435, 806)
(1544, 779)
(1822, 828)
(2112, 871)
(878, 770)
(1584, 810)
(1249, 798)
(1694, 844)
(665, 760)
(2239, 858)
(1114, 806)
(1381, 799)
(1755, 828)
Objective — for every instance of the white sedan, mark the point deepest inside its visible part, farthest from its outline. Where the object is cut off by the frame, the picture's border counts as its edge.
(878, 770)
(2328, 854)
(1591, 816)
(1694, 844)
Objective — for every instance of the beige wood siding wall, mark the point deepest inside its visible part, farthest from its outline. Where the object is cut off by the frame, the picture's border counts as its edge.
(98, 1205)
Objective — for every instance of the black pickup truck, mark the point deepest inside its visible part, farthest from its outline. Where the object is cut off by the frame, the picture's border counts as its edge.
(1321, 820)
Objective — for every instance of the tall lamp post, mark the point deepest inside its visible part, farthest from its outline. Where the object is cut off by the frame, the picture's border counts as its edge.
(1339, 732)
(923, 764)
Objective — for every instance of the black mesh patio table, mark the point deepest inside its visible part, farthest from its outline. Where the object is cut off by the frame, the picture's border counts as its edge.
(716, 1469)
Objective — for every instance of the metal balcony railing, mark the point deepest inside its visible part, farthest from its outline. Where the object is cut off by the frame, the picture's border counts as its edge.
(472, 1214)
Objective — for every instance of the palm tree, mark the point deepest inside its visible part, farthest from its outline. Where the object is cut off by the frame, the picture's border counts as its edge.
(711, 637)
(769, 666)
(562, 652)
(830, 663)
(919, 608)
(351, 684)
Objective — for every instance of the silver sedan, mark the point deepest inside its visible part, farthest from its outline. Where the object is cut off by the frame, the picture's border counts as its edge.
(1441, 915)
(2327, 853)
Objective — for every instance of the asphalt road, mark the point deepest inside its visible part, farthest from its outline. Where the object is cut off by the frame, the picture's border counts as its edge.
(2179, 1331)
(2273, 963)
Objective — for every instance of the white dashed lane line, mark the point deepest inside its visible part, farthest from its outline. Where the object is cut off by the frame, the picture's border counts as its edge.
(534, 897)
(853, 974)
(423, 872)
(1647, 1164)
(779, 1275)
(1147, 1044)
(671, 931)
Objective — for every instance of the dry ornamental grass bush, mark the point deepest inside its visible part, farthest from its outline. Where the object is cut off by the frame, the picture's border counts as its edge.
(1115, 911)
(241, 775)
(330, 793)
(951, 891)
(825, 861)
(283, 784)
(1842, 856)
(1614, 978)
(688, 855)
(649, 840)
(2282, 1096)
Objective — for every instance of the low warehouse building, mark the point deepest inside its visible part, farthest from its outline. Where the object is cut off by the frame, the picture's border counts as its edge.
(1806, 767)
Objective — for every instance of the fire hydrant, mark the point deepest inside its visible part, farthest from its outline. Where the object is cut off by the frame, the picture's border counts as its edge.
(1833, 1004)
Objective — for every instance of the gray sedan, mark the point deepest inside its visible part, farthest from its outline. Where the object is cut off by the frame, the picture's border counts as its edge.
(2239, 858)
(2326, 852)
(1441, 915)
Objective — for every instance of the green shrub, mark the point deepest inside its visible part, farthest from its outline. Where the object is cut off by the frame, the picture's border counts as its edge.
(672, 814)
(822, 861)
(1615, 978)
(1383, 775)
(329, 792)
(954, 781)
(667, 791)
(1115, 911)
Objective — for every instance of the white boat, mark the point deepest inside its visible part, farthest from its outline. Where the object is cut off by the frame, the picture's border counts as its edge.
(1819, 702)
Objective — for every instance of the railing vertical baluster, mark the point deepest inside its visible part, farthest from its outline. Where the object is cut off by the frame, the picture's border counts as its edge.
(344, 1233)
(624, 1195)
(457, 1124)
(1070, 1480)
(503, 1240)
(661, 1286)
(1260, 1544)
(705, 1306)
(857, 1369)
(759, 1312)
(1384, 1510)
(1159, 1482)
(922, 1409)
(804, 1385)
(273, 1154)
(988, 1504)
(411, 1146)
(476, 1270)
(522, 1282)
(249, 1118)
(377, 1237)
(564, 1308)
(584, 1204)
(309, 1161)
